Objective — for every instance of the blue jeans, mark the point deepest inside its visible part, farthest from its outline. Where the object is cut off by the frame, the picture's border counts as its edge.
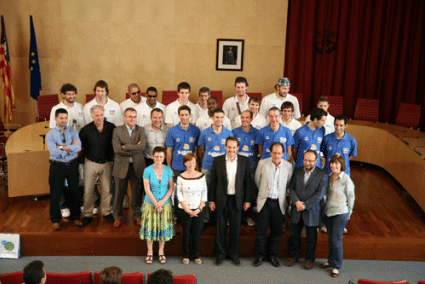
(335, 226)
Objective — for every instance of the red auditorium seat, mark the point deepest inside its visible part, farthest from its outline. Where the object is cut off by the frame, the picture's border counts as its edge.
(336, 105)
(300, 101)
(45, 104)
(219, 96)
(364, 281)
(169, 97)
(182, 279)
(89, 97)
(259, 95)
(408, 115)
(367, 109)
(12, 278)
(127, 278)
(84, 277)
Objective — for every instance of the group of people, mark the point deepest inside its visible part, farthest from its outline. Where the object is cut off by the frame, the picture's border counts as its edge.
(251, 157)
(34, 273)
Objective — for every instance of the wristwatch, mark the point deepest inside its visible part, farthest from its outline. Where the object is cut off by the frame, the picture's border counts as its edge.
(61, 147)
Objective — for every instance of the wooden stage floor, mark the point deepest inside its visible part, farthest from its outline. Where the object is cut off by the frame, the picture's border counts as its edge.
(386, 225)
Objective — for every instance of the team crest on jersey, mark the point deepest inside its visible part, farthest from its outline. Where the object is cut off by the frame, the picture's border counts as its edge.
(252, 142)
(112, 112)
(306, 138)
(313, 147)
(186, 146)
(319, 139)
(191, 139)
(267, 137)
(245, 148)
(282, 140)
(330, 148)
(217, 148)
(223, 141)
(345, 150)
(178, 140)
(239, 139)
(209, 139)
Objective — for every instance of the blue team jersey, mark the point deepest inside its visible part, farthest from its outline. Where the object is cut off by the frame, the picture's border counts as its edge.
(182, 142)
(247, 146)
(213, 145)
(307, 139)
(266, 137)
(345, 147)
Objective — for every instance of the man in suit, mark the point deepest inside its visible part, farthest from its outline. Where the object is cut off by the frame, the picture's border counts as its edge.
(129, 143)
(308, 186)
(229, 193)
(272, 179)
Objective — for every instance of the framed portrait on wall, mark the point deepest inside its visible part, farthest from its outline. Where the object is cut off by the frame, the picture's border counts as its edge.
(229, 54)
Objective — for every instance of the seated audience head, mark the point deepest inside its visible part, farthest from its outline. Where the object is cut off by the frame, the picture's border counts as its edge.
(161, 276)
(111, 275)
(282, 86)
(254, 104)
(287, 109)
(34, 273)
(323, 103)
(241, 86)
(101, 89)
(68, 93)
(337, 164)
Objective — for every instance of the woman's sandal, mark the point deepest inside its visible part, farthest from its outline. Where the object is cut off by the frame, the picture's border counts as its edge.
(334, 273)
(162, 259)
(149, 259)
(325, 265)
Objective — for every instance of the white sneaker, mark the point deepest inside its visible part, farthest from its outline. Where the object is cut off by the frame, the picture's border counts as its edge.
(250, 222)
(345, 231)
(95, 211)
(65, 212)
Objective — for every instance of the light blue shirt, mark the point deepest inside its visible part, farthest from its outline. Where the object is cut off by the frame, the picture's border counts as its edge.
(56, 137)
(158, 186)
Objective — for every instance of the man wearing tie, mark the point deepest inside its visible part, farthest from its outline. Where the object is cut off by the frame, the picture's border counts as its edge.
(229, 193)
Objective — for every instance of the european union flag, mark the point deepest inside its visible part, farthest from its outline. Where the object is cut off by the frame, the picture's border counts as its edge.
(34, 65)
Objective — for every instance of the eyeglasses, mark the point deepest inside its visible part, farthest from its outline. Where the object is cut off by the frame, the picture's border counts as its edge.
(135, 93)
(151, 96)
(131, 117)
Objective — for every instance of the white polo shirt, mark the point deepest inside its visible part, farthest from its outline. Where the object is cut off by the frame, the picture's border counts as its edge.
(293, 125)
(129, 103)
(200, 111)
(75, 115)
(258, 122)
(205, 121)
(112, 112)
(231, 110)
(144, 113)
(171, 112)
(272, 100)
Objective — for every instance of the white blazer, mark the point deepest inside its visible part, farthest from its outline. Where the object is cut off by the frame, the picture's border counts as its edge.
(262, 180)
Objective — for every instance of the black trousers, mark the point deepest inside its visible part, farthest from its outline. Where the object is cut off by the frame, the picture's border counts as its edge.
(295, 241)
(229, 213)
(57, 175)
(191, 232)
(271, 215)
(121, 186)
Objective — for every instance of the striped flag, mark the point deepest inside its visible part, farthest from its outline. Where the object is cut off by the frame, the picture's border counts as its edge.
(34, 65)
(6, 75)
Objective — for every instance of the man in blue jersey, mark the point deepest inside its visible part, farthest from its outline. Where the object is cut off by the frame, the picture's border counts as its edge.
(340, 143)
(309, 137)
(181, 139)
(247, 134)
(274, 132)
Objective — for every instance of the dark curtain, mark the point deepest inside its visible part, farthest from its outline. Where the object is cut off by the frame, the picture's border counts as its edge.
(357, 49)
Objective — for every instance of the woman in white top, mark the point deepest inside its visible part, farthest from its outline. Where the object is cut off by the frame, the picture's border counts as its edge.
(192, 195)
(339, 207)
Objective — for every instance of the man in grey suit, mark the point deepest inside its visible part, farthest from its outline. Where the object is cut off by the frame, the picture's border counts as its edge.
(308, 186)
(129, 143)
(229, 192)
(272, 179)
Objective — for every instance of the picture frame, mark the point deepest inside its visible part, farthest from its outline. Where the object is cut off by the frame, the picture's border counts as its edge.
(230, 54)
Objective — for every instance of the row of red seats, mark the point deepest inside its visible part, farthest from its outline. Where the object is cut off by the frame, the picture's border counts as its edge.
(86, 277)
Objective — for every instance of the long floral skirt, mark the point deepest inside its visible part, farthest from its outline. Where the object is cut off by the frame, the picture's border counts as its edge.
(157, 226)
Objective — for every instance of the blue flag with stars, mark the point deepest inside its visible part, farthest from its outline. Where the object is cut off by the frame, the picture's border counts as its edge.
(34, 65)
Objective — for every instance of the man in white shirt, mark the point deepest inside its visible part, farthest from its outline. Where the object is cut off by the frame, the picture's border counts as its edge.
(287, 119)
(135, 98)
(201, 106)
(144, 110)
(258, 121)
(74, 109)
(112, 110)
(234, 106)
(323, 103)
(278, 97)
(205, 121)
(171, 112)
